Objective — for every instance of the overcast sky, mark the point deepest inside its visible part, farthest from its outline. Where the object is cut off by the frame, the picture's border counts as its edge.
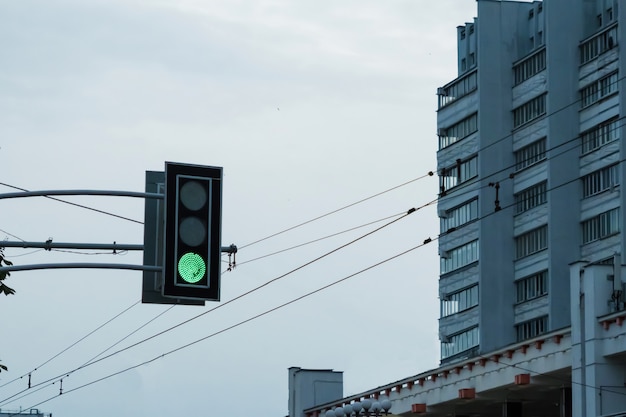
(310, 106)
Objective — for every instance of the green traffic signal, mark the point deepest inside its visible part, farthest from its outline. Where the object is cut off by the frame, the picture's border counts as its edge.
(191, 267)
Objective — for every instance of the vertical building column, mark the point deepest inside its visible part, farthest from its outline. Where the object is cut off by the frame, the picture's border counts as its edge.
(565, 409)
(597, 381)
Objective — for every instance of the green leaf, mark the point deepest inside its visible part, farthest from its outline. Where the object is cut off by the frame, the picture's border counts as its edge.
(3, 368)
(7, 262)
(6, 290)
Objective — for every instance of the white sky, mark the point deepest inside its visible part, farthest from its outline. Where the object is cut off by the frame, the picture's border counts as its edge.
(308, 105)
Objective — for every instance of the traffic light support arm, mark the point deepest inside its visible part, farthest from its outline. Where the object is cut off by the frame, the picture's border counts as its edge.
(100, 246)
(12, 268)
(47, 193)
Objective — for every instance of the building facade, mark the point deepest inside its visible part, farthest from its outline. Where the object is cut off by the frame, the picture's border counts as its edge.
(530, 164)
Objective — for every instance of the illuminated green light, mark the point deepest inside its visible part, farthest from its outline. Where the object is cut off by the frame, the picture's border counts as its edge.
(191, 267)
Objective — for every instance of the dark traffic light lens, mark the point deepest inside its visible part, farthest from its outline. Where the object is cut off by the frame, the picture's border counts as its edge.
(191, 267)
(192, 231)
(193, 195)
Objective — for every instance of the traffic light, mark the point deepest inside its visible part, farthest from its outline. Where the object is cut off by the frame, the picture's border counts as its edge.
(193, 212)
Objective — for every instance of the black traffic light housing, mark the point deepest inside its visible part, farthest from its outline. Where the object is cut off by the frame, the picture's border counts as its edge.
(192, 242)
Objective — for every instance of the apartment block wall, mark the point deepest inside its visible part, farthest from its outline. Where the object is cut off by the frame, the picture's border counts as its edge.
(535, 80)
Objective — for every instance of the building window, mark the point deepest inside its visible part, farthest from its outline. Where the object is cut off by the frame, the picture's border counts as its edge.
(598, 90)
(461, 172)
(531, 242)
(530, 66)
(457, 89)
(462, 33)
(531, 287)
(530, 154)
(458, 131)
(600, 180)
(531, 328)
(598, 44)
(459, 342)
(531, 197)
(529, 111)
(459, 301)
(459, 215)
(600, 135)
(601, 226)
(463, 64)
(459, 257)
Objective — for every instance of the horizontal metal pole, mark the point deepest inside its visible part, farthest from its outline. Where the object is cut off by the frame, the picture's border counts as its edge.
(65, 245)
(47, 193)
(32, 267)
(94, 246)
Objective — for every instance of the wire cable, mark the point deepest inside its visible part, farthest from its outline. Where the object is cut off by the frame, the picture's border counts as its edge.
(70, 346)
(77, 205)
(430, 174)
(56, 378)
(41, 387)
(319, 239)
(240, 323)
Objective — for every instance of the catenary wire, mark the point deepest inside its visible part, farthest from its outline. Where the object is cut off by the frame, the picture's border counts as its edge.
(28, 392)
(489, 214)
(575, 179)
(56, 378)
(351, 204)
(77, 205)
(266, 312)
(240, 323)
(319, 239)
(128, 347)
(72, 345)
(5, 232)
(430, 174)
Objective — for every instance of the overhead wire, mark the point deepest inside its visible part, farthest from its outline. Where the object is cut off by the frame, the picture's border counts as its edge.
(70, 346)
(77, 205)
(293, 227)
(430, 174)
(38, 388)
(326, 254)
(240, 323)
(319, 239)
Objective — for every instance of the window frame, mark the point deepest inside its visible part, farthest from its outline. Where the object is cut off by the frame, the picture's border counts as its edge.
(459, 257)
(600, 180)
(463, 171)
(531, 287)
(531, 328)
(459, 131)
(532, 110)
(600, 227)
(461, 342)
(531, 197)
(599, 90)
(536, 152)
(459, 301)
(599, 135)
(460, 215)
(531, 242)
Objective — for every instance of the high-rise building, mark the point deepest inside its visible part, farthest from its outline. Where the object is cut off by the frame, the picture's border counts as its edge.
(531, 207)
(530, 165)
